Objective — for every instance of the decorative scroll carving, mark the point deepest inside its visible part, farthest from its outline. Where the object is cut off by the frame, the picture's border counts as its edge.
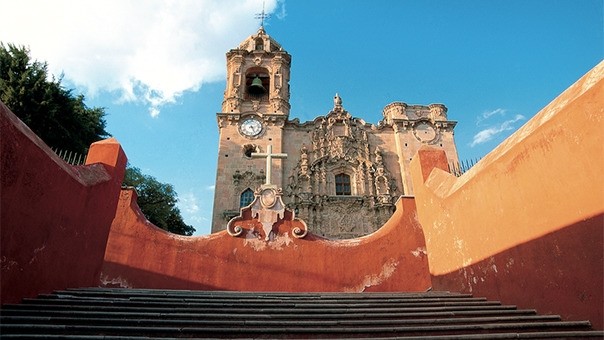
(396, 110)
(426, 132)
(248, 179)
(438, 112)
(346, 218)
(267, 209)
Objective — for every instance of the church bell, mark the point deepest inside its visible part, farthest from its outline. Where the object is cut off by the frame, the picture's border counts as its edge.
(256, 88)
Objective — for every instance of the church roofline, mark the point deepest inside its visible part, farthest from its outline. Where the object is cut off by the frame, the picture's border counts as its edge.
(269, 44)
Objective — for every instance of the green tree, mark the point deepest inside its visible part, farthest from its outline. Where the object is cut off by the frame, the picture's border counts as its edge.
(53, 113)
(62, 120)
(157, 201)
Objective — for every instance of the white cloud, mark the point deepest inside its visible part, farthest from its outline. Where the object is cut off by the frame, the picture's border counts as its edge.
(149, 51)
(211, 187)
(489, 133)
(194, 213)
(487, 114)
(188, 203)
(282, 13)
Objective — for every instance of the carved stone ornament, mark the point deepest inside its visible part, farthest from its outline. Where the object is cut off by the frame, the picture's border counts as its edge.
(248, 179)
(340, 148)
(426, 132)
(268, 211)
(438, 112)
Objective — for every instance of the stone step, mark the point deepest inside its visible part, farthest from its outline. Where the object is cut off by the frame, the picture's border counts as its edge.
(261, 299)
(245, 321)
(192, 308)
(263, 295)
(62, 300)
(91, 291)
(300, 330)
(18, 310)
(488, 336)
(95, 313)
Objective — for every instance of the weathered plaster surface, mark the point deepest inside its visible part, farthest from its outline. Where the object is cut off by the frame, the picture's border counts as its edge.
(524, 225)
(145, 256)
(55, 217)
(371, 280)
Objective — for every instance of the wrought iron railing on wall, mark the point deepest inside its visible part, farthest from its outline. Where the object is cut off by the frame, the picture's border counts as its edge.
(459, 168)
(70, 157)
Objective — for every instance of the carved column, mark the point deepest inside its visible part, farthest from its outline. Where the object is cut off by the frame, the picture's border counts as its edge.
(398, 136)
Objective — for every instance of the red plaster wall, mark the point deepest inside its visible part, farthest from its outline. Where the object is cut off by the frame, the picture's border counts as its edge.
(140, 255)
(55, 218)
(525, 225)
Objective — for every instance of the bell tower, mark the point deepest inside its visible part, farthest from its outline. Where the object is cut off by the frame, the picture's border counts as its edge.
(257, 77)
(255, 109)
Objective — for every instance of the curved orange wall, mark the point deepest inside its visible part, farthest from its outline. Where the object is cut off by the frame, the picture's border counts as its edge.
(142, 255)
(55, 218)
(525, 225)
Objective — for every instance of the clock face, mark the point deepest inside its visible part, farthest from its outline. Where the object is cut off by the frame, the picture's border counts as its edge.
(251, 127)
(425, 132)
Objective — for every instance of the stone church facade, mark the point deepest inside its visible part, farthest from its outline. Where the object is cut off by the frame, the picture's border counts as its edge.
(342, 175)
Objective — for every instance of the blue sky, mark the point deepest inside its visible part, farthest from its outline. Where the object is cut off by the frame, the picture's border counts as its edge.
(158, 67)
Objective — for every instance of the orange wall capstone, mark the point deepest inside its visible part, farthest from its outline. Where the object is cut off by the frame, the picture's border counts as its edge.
(525, 225)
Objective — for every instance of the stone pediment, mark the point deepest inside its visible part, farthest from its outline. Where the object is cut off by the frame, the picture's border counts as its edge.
(260, 42)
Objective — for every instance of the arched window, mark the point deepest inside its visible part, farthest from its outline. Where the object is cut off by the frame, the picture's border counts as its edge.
(246, 198)
(259, 44)
(343, 184)
(257, 83)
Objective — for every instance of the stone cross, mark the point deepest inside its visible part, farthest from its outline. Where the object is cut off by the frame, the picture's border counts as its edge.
(269, 155)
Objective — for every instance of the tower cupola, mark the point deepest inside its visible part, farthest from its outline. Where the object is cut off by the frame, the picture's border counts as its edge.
(258, 73)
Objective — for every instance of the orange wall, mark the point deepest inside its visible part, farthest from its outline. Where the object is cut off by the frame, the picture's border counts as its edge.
(142, 255)
(525, 225)
(55, 218)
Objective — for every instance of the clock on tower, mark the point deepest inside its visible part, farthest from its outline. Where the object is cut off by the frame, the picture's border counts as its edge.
(254, 110)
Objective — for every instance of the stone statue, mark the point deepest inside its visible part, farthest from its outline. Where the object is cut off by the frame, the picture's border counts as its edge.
(337, 102)
(304, 161)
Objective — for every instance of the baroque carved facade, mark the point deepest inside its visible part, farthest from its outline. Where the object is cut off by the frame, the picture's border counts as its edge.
(340, 151)
(342, 175)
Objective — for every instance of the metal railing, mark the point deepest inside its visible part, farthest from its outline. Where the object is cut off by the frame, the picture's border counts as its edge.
(461, 167)
(70, 157)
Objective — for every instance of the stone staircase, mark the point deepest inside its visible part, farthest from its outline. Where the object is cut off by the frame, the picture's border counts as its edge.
(99, 313)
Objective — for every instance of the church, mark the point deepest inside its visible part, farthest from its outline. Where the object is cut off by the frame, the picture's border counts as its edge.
(510, 249)
(340, 174)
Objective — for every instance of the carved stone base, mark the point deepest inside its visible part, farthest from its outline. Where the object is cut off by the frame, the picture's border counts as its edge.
(267, 216)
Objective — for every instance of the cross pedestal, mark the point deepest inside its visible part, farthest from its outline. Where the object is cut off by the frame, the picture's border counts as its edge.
(267, 206)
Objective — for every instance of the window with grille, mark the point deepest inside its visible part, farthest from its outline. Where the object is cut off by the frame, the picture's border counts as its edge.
(343, 184)
(246, 198)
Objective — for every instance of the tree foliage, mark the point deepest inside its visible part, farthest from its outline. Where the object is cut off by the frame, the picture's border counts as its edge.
(157, 201)
(53, 113)
(62, 120)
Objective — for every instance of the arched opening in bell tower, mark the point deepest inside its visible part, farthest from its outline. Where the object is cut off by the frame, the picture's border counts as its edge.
(259, 44)
(257, 83)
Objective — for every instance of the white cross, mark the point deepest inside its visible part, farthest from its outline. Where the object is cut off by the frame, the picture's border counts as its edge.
(269, 155)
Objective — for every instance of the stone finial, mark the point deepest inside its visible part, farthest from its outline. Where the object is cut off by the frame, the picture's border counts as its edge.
(337, 102)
